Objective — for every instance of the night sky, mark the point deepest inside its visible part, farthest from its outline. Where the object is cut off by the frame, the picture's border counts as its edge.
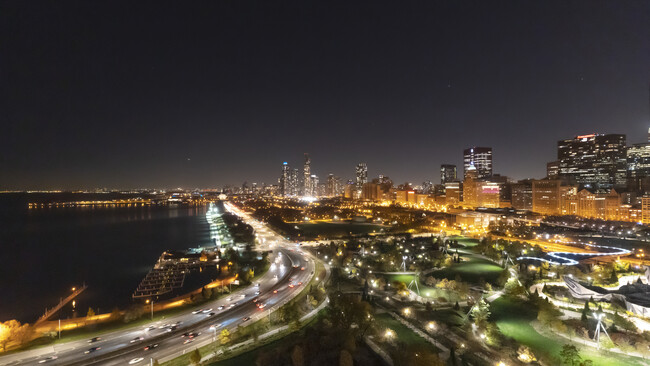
(165, 94)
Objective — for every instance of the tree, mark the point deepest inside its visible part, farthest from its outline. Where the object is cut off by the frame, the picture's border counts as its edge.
(195, 357)
(224, 337)
(585, 312)
(480, 312)
(570, 355)
(345, 359)
(90, 313)
(297, 357)
(206, 293)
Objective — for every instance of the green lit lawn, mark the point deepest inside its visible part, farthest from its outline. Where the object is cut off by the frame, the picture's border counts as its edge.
(513, 319)
(471, 270)
(404, 334)
(468, 242)
(425, 291)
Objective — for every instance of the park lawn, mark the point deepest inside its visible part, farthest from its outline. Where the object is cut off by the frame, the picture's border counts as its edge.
(425, 291)
(513, 319)
(463, 240)
(471, 270)
(403, 334)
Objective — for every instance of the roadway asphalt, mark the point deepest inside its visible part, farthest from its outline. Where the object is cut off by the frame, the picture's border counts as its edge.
(124, 347)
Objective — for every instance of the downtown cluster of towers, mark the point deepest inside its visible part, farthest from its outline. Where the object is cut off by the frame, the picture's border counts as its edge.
(293, 183)
(594, 175)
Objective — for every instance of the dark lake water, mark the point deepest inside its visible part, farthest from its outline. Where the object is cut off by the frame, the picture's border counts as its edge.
(45, 252)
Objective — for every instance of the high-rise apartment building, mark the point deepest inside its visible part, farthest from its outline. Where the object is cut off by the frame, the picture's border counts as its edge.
(333, 185)
(362, 176)
(306, 180)
(480, 158)
(447, 173)
(593, 161)
(284, 180)
(638, 167)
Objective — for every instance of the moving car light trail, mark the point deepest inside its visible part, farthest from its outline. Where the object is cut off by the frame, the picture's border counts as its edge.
(564, 257)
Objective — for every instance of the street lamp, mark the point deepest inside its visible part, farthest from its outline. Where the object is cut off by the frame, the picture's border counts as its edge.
(407, 311)
(389, 334)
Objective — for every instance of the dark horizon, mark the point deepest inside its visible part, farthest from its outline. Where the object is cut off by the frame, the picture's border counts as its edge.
(165, 94)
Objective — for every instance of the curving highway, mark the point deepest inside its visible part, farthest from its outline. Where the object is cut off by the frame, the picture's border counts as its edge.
(291, 269)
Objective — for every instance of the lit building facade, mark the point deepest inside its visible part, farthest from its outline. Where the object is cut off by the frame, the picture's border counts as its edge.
(638, 167)
(307, 189)
(448, 173)
(362, 176)
(594, 161)
(480, 158)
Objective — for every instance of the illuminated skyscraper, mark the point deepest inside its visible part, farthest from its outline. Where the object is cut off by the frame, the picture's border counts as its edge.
(306, 178)
(447, 173)
(362, 176)
(480, 158)
(593, 161)
(284, 180)
(294, 187)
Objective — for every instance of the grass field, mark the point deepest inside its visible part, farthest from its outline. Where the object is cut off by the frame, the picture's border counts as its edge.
(468, 242)
(513, 319)
(471, 269)
(403, 334)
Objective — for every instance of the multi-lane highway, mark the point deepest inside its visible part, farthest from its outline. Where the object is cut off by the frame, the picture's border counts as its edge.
(291, 269)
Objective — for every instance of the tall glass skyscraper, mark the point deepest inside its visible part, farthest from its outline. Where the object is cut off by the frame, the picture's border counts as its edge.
(480, 158)
(594, 161)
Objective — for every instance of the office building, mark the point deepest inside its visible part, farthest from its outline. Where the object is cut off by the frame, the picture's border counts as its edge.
(333, 185)
(638, 167)
(480, 158)
(552, 169)
(284, 180)
(593, 161)
(452, 193)
(522, 195)
(306, 180)
(362, 176)
(447, 173)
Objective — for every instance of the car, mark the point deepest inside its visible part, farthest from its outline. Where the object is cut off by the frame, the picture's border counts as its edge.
(215, 326)
(188, 340)
(186, 334)
(291, 285)
(93, 340)
(198, 311)
(48, 359)
(212, 314)
(275, 291)
(136, 339)
(220, 307)
(299, 283)
(246, 318)
(231, 305)
(151, 346)
(257, 284)
(151, 327)
(275, 277)
(256, 299)
(302, 268)
(93, 349)
(261, 306)
(257, 292)
(135, 360)
(206, 311)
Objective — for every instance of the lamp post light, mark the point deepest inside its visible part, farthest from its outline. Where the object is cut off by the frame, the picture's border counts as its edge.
(599, 325)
